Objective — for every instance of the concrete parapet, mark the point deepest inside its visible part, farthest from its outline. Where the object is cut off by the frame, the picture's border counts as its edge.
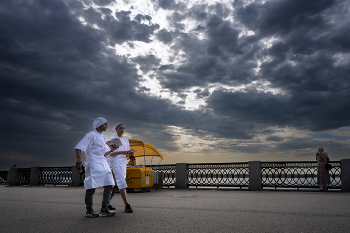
(12, 177)
(34, 176)
(345, 174)
(181, 175)
(255, 181)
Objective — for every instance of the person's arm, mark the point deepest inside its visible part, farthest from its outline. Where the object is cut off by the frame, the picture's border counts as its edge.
(109, 152)
(327, 156)
(112, 151)
(120, 153)
(78, 164)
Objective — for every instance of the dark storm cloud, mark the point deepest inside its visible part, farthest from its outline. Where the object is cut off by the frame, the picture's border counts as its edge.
(202, 93)
(223, 38)
(57, 74)
(165, 36)
(147, 63)
(103, 2)
(302, 64)
(123, 28)
(166, 4)
(166, 67)
(220, 58)
(314, 110)
(282, 17)
(177, 17)
(274, 138)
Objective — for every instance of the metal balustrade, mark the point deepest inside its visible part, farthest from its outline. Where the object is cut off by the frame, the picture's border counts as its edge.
(23, 176)
(296, 175)
(218, 174)
(3, 177)
(55, 175)
(169, 172)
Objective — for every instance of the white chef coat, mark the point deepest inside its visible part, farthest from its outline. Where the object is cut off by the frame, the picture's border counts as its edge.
(98, 172)
(118, 163)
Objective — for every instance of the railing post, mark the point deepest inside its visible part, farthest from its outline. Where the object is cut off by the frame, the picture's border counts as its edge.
(75, 177)
(345, 174)
(158, 180)
(255, 181)
(34, 176)
(12, 177)
(181, 176)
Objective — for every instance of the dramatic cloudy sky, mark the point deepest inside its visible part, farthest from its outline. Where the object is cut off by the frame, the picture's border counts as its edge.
(202, 80)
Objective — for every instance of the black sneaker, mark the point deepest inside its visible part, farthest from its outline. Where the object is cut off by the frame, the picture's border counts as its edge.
(91, 214)
(106, 212)
(110, 207)
(128, 209)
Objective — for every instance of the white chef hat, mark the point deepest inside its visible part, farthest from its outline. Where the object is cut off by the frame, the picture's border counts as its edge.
(98, 122)
(115, 126)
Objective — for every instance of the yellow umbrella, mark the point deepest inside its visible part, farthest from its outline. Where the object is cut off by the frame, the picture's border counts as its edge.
(143, 149)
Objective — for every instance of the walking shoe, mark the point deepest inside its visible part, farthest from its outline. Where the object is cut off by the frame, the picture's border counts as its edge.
(110, 207)
(106, 212)
(91, 214)
(128, 209)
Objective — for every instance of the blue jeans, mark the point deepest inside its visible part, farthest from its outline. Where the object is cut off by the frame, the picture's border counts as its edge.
(106, 197)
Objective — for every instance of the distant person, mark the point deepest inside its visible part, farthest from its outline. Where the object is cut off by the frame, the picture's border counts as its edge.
(118, 162)
(323, 177)
(98, 172)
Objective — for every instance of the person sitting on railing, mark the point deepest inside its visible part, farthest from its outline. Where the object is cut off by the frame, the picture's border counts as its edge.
(323, 177)
(97, 169)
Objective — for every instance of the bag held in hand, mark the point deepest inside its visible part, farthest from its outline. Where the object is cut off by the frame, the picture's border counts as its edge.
(328, 166)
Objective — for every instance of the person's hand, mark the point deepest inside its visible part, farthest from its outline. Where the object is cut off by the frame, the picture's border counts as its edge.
(79, 166)
(114, 147)
(131, 155)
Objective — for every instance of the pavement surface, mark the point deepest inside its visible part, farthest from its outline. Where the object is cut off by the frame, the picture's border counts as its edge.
(62, 209)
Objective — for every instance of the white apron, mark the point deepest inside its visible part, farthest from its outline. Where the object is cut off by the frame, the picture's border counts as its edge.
(98, 172)
(118, 163)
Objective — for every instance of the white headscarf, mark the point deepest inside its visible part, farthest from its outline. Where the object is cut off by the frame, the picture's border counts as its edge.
(115, 126)
(98, 122)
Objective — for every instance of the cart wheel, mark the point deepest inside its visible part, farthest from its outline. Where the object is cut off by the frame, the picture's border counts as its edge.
(140, 190)
(148, 189)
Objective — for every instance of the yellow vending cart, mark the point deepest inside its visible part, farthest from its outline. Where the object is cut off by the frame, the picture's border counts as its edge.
(140, 176)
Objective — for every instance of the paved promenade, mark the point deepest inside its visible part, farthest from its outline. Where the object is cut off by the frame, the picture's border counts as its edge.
(61, 209)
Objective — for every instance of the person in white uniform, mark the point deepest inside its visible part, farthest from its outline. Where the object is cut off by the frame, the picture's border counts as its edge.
(118, 165)
(98, 172)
